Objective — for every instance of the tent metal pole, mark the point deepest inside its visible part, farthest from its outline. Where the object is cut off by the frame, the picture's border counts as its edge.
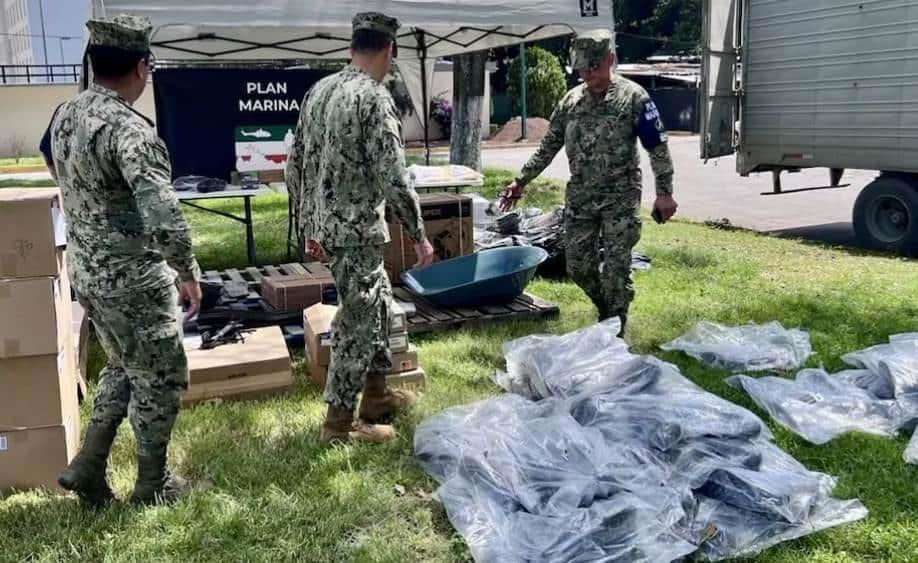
(523, 74)
(426, 106)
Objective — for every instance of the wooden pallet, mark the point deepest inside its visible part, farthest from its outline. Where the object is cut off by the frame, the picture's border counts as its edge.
(249, 308)
(430, 318)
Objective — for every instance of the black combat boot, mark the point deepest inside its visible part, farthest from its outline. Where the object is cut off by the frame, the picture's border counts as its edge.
(155, 483)
(86, 474)
(603, 313)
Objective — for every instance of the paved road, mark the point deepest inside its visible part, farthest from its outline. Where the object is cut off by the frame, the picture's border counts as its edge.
(714, 190)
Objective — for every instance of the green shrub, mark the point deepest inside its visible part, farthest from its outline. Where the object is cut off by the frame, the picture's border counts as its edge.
(545, 83)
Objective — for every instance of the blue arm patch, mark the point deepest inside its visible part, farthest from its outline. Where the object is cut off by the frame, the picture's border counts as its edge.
(650, 126)
(45, 145)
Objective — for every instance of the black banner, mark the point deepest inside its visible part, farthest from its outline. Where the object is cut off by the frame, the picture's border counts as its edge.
(215, 121)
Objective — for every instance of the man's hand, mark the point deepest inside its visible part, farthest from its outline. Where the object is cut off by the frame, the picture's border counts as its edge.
(425, 253)
(511, 195)
(666, 206)
(315, 251)
(190, 292)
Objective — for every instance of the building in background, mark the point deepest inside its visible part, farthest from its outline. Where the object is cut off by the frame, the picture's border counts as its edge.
(15, 33)
(41, 33)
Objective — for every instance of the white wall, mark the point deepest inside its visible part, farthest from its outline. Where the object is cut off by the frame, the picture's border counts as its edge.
(25, 111)
(413, 129)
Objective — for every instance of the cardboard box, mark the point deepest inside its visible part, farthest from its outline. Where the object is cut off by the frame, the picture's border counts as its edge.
(35, 316)
(38, 391)
(318, 348)
(317, 322)
(32, 232)
(448, 222)
(246, 388)
(239, 370)
(297, 292)
(415, 381)
(399, 320)
(264, 351)
(32, 458)
(80, 339)
(404, 362)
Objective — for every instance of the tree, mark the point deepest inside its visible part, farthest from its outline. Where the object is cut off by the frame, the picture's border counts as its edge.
(16, 146)
(468, 103)
(653, 26)
(545, 82)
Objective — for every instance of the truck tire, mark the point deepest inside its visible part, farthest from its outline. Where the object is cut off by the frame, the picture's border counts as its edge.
(886, 215)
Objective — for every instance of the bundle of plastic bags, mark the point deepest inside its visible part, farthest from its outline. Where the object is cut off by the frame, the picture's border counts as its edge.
(622, 459)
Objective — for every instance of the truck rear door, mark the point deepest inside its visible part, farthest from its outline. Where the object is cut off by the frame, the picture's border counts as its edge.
(720, 101)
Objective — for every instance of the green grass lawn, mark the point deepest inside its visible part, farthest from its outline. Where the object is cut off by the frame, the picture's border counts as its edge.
(268, 491)
(27, 183)
(24, 161)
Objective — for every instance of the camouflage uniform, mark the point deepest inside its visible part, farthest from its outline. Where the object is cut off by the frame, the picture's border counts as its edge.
(127, 242)
(604, 193)
(346, 164)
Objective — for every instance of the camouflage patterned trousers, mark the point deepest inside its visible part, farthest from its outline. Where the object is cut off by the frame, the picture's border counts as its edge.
(147, 369)
(612, 222)
(360, 329)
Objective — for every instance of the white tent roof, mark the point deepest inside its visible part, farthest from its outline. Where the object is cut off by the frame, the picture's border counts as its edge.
(312, 29)
(238, 30)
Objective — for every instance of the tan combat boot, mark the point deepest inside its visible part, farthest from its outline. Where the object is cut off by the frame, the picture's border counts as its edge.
(379, 403)
(339, 426)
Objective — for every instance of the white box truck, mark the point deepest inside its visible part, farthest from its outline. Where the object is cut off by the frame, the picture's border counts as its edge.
(792, 84)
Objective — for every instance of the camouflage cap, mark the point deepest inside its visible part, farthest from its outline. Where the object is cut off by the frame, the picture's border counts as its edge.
(131, 33)
(590, 48)
(374, 21)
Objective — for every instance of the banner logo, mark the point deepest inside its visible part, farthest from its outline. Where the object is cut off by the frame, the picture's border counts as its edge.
(589, 9)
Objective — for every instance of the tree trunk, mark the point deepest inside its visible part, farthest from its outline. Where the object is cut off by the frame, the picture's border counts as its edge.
(468, 101)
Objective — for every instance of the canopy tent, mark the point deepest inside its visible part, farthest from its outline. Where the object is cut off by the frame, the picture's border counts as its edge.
(240, 30)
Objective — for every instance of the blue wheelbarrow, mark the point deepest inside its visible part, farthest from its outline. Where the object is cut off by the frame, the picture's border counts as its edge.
(488, 277)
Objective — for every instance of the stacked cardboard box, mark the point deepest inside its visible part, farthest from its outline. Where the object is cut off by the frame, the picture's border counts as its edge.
(39, 411)
(296, 292)
(450, 229)
(405, 373)
(256, 367)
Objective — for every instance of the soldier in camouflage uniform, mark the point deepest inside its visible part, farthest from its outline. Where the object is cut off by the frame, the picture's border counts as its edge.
(599, 123)
(128, 244)
(346, 164)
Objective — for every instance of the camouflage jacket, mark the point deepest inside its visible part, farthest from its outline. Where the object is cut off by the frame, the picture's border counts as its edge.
(348, 162)
(600, 136)
(124, 225)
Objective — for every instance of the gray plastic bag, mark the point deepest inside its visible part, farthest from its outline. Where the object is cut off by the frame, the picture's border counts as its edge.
(819, 407)
(911, 452)
(745, 348)
(896, 363)
(542, 366)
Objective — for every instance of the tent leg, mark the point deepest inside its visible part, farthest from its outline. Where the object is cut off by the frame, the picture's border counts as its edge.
(424, 95)
(523, 73)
